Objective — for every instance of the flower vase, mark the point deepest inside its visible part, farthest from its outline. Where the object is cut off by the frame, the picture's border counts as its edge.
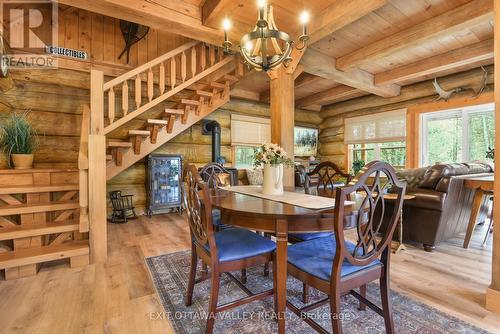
(273, 179)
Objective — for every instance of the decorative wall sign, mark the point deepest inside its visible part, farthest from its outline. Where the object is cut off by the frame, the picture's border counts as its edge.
(65, 52)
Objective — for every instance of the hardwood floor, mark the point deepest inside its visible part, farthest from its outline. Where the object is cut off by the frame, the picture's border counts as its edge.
(119, 297)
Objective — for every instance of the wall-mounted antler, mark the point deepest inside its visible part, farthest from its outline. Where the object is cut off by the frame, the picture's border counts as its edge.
(444, 94)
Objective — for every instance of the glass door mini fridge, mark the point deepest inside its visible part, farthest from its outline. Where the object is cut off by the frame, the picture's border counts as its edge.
(164, 183)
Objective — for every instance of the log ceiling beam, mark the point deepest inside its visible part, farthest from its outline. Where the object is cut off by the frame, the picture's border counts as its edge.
(474, 53)
(327, 96)
(466, 16)
(302, 80)
(324, 66)
(213, 11)
(152, 15)
(340, 14)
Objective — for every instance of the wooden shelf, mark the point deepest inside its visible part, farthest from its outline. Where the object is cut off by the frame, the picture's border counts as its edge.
(35, 255)
(6, 190)
(20, 209)
(24, 231)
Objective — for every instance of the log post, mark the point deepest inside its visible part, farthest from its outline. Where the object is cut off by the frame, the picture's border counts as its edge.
(493, 292)
(282, 115)
(97, 171)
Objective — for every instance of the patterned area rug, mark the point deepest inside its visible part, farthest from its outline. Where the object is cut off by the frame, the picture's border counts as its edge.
(170, 276)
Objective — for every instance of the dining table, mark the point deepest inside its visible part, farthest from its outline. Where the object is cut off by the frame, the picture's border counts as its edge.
(483, 185)
(277, 218)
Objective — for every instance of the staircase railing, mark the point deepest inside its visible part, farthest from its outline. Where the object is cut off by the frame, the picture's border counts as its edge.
(171, 72)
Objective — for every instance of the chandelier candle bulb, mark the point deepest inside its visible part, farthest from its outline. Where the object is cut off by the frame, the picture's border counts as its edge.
(304, 19)
(262, 6)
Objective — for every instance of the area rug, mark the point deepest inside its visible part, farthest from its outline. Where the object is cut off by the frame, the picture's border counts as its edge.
(169, 273)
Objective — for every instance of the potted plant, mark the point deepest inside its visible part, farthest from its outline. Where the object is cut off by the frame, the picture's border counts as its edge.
(18, 140)
(273, 158)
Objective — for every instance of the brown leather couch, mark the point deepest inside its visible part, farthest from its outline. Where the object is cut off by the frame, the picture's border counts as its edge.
(441, 208)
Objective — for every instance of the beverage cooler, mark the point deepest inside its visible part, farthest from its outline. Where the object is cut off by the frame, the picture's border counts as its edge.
(164, 173)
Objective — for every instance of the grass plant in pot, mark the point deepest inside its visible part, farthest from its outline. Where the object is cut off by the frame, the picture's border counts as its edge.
(18, 140)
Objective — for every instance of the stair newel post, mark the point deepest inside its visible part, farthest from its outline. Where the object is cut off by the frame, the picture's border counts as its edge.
(97, 170)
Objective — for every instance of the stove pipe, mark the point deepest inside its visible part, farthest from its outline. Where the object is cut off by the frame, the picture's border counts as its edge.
(214, 128)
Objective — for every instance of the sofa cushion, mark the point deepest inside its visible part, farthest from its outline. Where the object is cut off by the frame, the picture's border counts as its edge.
(412, 176)
(426, 199)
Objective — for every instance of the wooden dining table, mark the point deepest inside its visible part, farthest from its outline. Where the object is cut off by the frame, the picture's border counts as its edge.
(280, 219)
(483, 186)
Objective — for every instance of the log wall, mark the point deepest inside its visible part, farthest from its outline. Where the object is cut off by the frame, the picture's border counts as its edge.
(332, 127)
(55, 99)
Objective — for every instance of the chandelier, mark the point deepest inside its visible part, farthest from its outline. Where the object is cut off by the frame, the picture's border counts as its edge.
(265, 47)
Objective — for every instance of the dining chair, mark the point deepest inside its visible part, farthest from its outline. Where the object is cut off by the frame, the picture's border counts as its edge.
(223, 251)
(337, 266)
(327, 178)
(215, 175)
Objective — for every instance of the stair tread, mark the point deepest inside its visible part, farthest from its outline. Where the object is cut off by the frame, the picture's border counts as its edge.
(43, 254)
(109, 157)
(144, 133)
(218, 85)
(191, 102)
(204, 93)
(4, 190)
(174, 111)
(23, 231)
(230, 77)
(119, 144)
(17, 209)
(157, 121)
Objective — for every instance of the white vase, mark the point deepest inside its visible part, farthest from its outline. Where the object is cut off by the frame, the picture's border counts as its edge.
(273, 180)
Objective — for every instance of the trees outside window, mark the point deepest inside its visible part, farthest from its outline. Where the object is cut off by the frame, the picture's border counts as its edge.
(458, 135)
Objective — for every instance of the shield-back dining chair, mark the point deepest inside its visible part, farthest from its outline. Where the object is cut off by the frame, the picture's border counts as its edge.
(223, 251)
(327, 178)
(337, 266)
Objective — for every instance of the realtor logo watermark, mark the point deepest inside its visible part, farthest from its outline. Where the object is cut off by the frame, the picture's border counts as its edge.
(28, 28)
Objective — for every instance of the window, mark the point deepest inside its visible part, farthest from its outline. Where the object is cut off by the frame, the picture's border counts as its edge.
(243, 156)
(392, 152)
(377, 137)
(457, 135)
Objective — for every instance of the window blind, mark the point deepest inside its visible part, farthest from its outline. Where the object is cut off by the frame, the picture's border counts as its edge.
(377, 128)
(247, 130)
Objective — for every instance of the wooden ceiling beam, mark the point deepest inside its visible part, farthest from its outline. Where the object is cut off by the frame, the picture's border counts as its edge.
(301, 80)
(340, 14)
(462, 56)
(327, 96)
(466, 16)
(153, 15)
(324, 66)
(214, 11)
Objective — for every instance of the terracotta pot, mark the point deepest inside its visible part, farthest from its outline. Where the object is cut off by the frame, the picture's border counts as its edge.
(22, 161)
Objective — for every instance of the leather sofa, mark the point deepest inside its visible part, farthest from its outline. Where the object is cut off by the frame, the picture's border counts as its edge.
(441, 208)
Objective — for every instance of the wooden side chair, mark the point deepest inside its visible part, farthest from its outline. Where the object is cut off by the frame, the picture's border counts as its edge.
(336, 266)
(328, 177)
(123, 207)
(215, 175)
(223, 251)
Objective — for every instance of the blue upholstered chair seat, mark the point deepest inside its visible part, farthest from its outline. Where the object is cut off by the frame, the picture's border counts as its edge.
(236, 244)
(316, 258)
(310, 236)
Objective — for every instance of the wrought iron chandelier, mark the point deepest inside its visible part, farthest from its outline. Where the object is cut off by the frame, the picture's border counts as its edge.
(266, 47)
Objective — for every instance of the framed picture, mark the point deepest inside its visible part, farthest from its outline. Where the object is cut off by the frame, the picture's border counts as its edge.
(306, 141)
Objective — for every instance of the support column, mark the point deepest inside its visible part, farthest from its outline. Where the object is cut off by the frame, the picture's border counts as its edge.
(97, 171)
(493, 293)
(283, 115)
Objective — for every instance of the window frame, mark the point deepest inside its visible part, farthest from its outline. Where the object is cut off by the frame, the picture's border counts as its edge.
(377, 151)
(465, 114)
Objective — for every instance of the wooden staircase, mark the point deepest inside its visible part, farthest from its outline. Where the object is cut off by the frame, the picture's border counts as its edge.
(40, 220)
(196, 76)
